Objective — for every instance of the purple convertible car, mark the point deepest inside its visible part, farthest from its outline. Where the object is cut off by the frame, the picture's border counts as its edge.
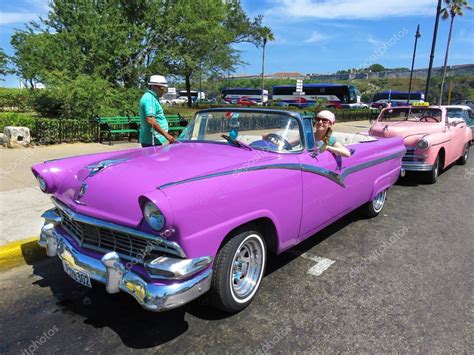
(169, 224)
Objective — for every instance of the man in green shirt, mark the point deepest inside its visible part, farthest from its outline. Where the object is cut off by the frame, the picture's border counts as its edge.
(154, 126)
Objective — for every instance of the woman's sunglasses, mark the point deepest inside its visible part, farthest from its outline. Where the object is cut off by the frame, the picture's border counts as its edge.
(323, 120)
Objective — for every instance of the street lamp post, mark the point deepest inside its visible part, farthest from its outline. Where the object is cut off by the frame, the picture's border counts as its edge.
(263, 66)
(433, 47)
(417, 35)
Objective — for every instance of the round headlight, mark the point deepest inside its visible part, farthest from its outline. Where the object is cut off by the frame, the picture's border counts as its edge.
(153, 216)
(423, 144)
(42, 183)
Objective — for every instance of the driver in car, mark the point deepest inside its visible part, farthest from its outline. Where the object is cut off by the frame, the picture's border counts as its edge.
(323, 134)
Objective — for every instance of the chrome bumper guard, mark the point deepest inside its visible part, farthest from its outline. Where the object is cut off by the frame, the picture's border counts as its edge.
(412, 166)
(112, 272)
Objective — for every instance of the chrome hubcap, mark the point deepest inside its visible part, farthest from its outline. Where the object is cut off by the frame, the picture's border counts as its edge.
(247, 267)
(379, 201)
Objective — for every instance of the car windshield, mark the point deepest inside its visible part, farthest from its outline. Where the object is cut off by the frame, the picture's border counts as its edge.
(456, 113)
(270, 131)
(417, 114)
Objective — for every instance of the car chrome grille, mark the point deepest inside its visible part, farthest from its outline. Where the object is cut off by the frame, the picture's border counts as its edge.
(106, 240)
(411, 157)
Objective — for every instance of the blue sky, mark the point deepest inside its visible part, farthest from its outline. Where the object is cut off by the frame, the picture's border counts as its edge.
(319, 36)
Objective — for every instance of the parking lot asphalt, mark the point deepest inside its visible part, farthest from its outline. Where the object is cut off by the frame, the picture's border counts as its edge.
(402, 282)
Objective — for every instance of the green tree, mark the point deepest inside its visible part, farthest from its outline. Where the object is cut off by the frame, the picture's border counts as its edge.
(110, 39)
(265, 35)
(377, 68)
(4, 60)
(34, 55)
(199, 37)
(453, 8)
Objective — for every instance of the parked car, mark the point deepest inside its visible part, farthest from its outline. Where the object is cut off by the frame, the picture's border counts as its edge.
(168, 224)
(464, 112)
(164, 101)
(356, 105)
(469, 103)
(179, 101)
(279, 103)
(245, 101)
(380, 104)
(432, 141)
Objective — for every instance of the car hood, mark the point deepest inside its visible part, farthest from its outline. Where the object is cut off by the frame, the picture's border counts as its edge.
(410, 131)
(114, 185)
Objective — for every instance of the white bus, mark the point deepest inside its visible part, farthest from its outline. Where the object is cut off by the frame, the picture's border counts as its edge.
(334, 95)
(233, 95)
(398, 98)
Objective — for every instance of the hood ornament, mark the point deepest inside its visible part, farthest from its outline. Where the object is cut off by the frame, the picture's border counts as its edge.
(82, 190)
(81, 193)
(96, 167)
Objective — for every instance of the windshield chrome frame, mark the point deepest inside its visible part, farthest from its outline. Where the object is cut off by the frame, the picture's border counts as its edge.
(290, 114)
(409, 108)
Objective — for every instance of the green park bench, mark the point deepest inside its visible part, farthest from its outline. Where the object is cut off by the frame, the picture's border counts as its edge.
(131, 125)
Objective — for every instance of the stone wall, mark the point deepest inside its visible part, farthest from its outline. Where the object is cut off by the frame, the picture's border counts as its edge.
(467, 69)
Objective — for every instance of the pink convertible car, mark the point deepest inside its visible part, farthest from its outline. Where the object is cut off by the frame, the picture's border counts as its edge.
(433, 140)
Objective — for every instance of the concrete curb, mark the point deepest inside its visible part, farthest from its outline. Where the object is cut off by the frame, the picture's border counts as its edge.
(21, 252)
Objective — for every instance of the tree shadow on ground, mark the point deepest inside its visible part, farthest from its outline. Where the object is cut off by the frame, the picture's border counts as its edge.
(136, 327)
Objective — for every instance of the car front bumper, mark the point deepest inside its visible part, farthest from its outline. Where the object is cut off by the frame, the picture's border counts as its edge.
(112, 272)
(414, 166)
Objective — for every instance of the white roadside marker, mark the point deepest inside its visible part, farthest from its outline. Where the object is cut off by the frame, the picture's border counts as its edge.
(322, 264)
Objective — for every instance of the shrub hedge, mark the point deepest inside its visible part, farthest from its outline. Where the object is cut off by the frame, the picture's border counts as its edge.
(17, 100)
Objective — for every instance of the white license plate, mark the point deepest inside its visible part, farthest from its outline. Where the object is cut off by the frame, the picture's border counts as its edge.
(81, 277)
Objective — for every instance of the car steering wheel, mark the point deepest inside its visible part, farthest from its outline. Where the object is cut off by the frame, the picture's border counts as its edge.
(425, 118)
(278, 140)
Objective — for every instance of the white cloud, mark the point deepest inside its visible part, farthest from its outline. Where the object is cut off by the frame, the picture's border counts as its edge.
(7, 18)
(374, 42)
(317, 37)
(350, 9)
(41, 5)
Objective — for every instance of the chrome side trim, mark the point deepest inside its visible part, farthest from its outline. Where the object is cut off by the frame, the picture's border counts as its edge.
(337, 178)
(322, 172)
(230, 172)
(118, 228)
(356, 168)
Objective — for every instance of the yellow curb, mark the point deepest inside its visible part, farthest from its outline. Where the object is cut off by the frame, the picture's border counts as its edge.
(23, 251)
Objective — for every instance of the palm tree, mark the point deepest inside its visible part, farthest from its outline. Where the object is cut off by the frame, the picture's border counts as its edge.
(453, 8)
(265, 36)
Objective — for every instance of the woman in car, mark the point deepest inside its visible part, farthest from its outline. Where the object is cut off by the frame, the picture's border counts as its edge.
(322, 134)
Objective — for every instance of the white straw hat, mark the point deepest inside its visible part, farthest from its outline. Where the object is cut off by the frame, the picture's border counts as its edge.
(158, 80)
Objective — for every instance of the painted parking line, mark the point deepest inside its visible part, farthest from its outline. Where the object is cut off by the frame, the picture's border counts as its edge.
(322, 264)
